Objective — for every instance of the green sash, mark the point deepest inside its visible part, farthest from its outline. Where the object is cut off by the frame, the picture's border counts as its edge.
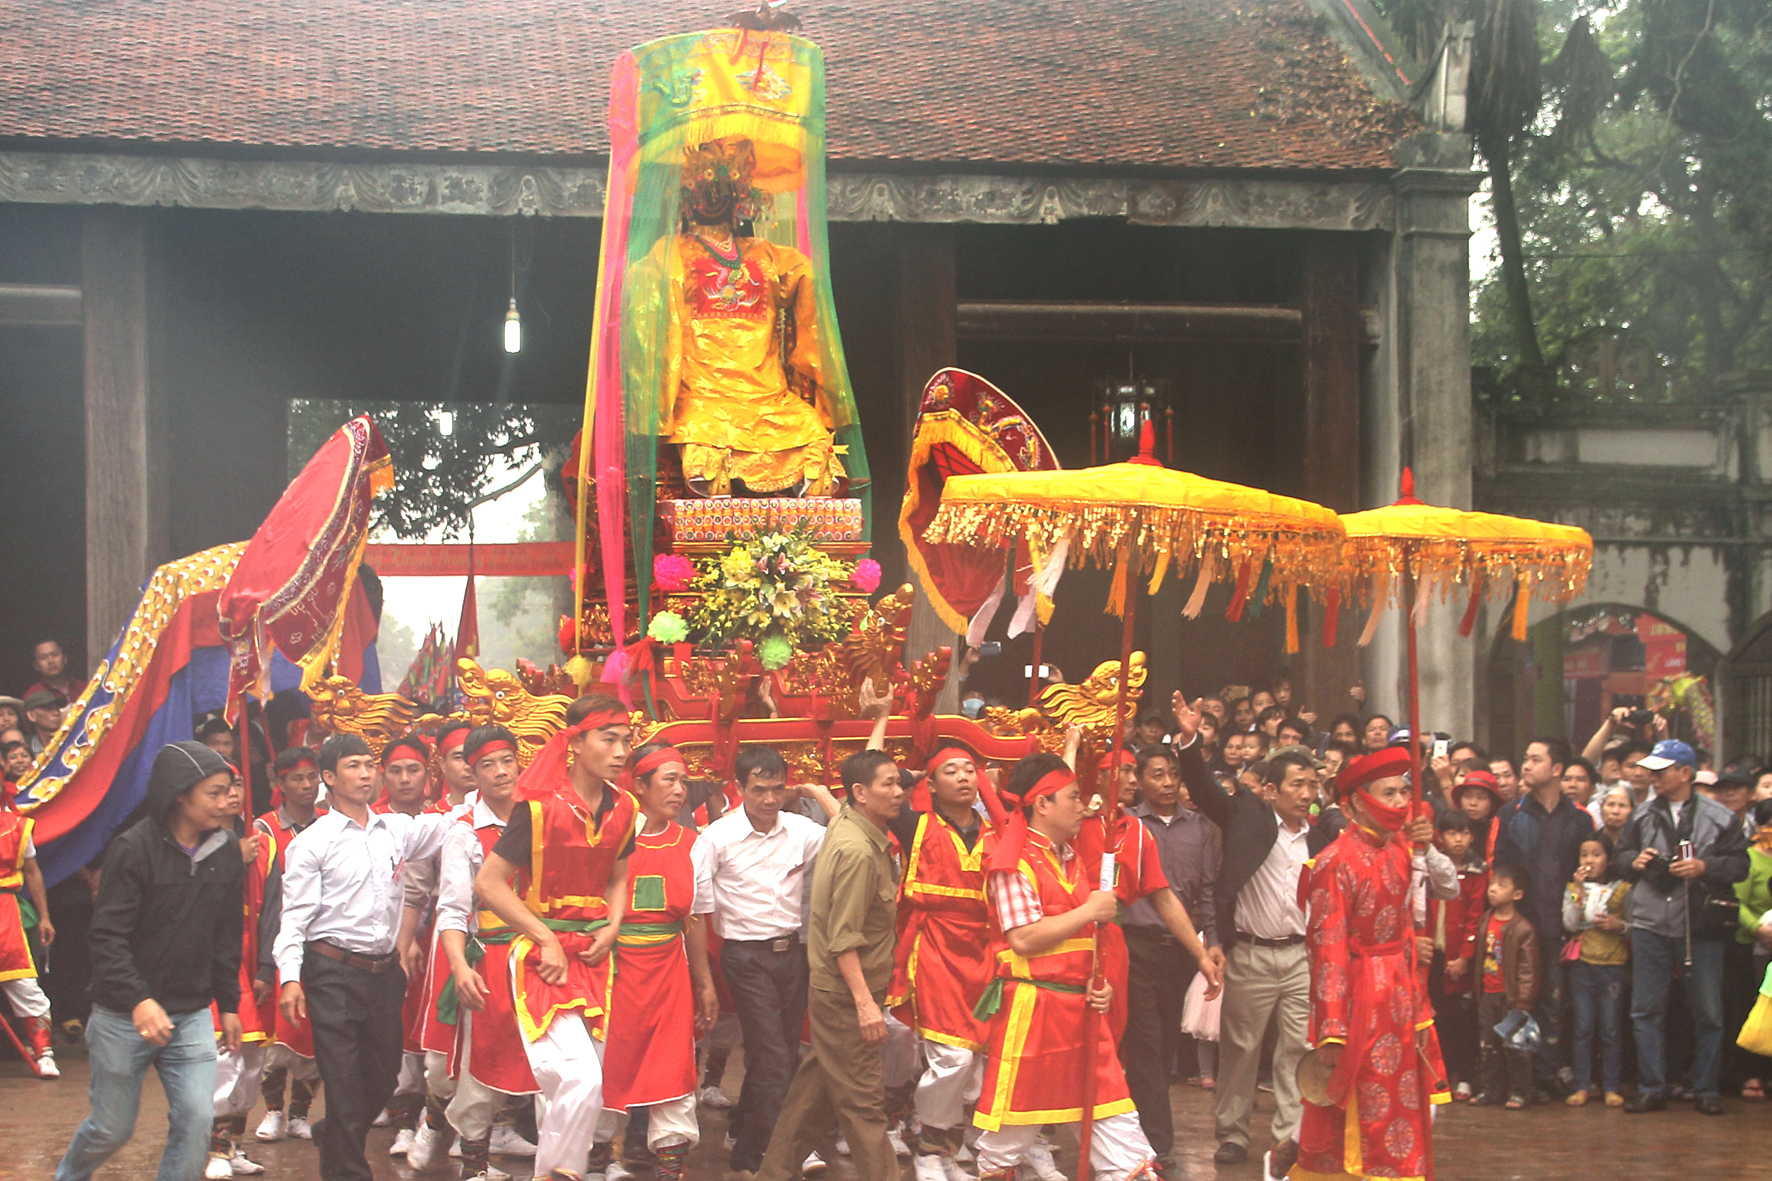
(449, 1005)
(992, 1000)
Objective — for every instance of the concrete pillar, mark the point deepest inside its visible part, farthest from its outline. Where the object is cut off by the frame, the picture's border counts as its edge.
(126, 519)
(1428, 372)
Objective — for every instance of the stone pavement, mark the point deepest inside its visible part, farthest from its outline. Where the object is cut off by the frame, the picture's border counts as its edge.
(1488, 1144)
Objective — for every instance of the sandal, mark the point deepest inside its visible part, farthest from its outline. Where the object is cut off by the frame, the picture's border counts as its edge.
(1614, 1099)
(1753, 1088)
(1577, 1099)
(1514, 1103)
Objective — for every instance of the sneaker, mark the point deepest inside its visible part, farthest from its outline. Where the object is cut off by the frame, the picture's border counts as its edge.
(507, 1141)
(422, 1148)
(382, 1120)
(455, 1149)
(1462, 1093)
(1710, 1105)
(1230, 1153)
(1279, 1159)
(46, 1067)
(896, 1139)
(402, 1141)
(927, 1167)
(272, 1127)
(951, 1170)
(617, 1171)
(814, 1166)
(715, 1098)
(493, 1174)
(842, 1144)
(243, 1167)
(1039, 1161)
(300, 1128)
(218, 1168)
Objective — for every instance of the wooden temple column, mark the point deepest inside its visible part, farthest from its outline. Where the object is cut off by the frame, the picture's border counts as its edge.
(126, 499)
(926, 307)
(1333, 338)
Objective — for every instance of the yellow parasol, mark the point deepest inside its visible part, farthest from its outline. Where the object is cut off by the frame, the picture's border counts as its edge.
(1400, 551)
(1141, 516)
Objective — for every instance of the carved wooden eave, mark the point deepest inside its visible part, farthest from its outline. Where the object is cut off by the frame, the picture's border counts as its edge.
(503, 190)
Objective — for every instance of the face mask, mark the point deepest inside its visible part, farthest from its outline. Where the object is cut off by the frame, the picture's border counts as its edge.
(972, 707)
(1386, 816)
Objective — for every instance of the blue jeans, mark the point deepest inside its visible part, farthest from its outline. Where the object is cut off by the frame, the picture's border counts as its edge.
(1654, 958)
(120, 1057)
(1598, 993)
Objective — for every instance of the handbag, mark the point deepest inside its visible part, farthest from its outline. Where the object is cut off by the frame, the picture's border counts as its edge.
(1756, 1031)
(1571, 949)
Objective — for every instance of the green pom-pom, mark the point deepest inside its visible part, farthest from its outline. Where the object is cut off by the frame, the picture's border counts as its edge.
(775, 652)
(667, 627)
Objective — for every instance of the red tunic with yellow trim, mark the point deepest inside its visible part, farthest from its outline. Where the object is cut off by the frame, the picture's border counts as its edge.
(649, 1049)
(944, 937)
(430, 1033)
(495, 1056)
(1366, 994)
(297, 1035)
(257, 1024)
(571, 858)
(1036, 1051)
(418, 985)
(15, 951)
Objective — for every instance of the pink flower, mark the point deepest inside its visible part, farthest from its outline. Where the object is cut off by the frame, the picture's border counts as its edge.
(867, 576)
(672, 572)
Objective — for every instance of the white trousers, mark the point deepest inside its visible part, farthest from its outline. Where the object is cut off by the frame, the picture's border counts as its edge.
(1117, 1148)
(236, 1078)
(472, 1104)
(26, 997)
(437, 1080)
(411, 1080)
(666, 1123)
(901, 1058)
(953, 1075)
(568, 1066)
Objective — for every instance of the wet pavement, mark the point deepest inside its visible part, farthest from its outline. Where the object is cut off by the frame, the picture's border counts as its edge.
(1488, 1144)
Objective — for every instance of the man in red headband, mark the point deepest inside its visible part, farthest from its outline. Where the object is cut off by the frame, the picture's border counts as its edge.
(488, 1058)
(567, 846)
(291, 1055)
(404, 765)
(943, 956)
(1043, 910)
(1370, 1017)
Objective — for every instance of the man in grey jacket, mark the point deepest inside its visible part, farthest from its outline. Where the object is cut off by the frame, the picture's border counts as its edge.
(1679, 848)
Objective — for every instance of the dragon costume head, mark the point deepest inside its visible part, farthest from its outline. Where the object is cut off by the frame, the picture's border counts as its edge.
(717, 182)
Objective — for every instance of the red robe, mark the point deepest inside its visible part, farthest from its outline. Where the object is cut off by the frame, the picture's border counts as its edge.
(649, 1054)
(297, 1035)
(568, 871)
(15, 952)
(1367, 995)
(496, 1057)
(943, 961)
(1453, 924)
(1036, 1050)
(258, 1024)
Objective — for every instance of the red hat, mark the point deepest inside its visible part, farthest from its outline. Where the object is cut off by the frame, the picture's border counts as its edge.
(1380, 764)
(1482, 780)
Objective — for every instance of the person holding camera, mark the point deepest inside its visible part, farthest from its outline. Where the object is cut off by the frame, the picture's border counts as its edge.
(1684, 852)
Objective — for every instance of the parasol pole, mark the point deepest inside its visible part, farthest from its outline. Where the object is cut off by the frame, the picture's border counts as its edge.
(1409, 592)
(1034, 680)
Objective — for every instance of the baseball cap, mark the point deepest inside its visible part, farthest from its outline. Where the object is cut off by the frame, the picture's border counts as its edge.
(1667, 753)
(45, 699)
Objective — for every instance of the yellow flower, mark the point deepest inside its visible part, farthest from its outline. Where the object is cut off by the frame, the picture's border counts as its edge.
(737, 565)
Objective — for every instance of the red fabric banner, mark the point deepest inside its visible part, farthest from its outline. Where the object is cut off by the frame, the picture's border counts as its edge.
(517, 559)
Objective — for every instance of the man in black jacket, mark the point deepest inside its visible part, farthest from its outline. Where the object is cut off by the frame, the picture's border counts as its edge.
(165, 942)
(1267, 973)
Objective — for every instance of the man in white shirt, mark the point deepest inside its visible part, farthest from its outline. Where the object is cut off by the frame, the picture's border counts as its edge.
(757, 857)
(343, 893)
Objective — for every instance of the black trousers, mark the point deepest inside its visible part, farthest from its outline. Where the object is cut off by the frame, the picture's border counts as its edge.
(769, 989)
(1156, 986)
(357, 1043)
(1455, 1021)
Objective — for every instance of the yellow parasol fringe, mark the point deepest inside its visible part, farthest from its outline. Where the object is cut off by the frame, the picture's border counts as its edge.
(1291, 620)
(1162, 568)
(1197, 600)
(1380, 599)
(1116, 604)
(1522, 607)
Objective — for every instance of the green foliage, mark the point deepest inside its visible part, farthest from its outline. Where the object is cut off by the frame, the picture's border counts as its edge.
(438, 479)
(1644, 203)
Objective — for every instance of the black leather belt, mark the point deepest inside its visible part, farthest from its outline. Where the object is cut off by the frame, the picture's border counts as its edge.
(1288, 941)
(785, 943)
(365, 963)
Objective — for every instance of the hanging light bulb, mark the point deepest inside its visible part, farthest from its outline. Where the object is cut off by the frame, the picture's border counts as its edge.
(513, 329)
(446, 423)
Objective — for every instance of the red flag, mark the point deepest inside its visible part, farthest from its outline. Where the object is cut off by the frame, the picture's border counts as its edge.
(295, 577)
(467, 632)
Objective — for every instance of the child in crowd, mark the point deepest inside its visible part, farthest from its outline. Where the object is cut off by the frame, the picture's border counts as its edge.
(1509, 981)
(1593, 909)
(1452, 925)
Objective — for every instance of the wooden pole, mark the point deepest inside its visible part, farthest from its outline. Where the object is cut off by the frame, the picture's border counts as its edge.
(1034, 678)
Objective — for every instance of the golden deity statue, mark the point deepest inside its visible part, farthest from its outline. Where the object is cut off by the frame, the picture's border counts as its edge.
(743, 394)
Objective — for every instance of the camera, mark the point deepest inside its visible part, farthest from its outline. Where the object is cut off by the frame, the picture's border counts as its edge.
(1640, 717)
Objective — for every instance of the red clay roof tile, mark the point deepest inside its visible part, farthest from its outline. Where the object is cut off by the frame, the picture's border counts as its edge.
(1245, 84)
